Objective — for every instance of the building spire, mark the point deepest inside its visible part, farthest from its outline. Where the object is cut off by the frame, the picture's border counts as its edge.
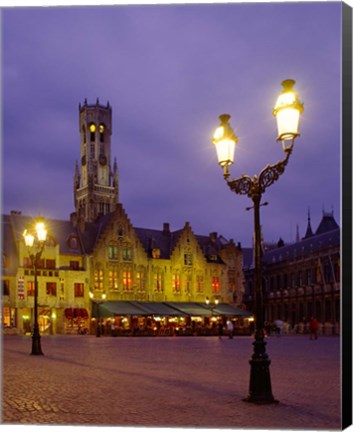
(309, 231)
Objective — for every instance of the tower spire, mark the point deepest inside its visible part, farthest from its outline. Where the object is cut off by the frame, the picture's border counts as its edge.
(309, 231)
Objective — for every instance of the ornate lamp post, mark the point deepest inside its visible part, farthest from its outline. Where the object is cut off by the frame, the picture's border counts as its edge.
(287, 111)
(212, 306)
(98, 302)
(35, 238)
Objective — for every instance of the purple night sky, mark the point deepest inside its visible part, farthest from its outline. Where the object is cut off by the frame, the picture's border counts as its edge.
(168, 72)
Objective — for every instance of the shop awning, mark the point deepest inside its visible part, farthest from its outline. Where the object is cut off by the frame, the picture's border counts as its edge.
(112, 308)
(229, 310)
(190, 309)
(127, 308)
(160, 309)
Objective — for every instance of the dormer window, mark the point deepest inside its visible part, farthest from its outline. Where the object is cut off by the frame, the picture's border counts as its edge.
(73, 242)
(156, 253)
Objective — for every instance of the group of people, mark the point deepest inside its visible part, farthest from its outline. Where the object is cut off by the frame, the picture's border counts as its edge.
(311, 327)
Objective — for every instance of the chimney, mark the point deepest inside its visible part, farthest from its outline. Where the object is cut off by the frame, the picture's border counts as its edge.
(166, 228)
(213, 237)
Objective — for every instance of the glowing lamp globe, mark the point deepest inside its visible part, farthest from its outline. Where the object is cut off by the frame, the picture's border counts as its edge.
(287, 111)
(225, 139)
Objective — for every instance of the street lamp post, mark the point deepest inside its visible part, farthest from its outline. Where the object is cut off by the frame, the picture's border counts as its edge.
(98, 302)
(35, 238)
(211, 306)
(287, 111)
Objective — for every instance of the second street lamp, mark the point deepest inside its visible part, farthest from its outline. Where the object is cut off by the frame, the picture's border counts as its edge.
(287, 111)
(35, 238)
(98, 303)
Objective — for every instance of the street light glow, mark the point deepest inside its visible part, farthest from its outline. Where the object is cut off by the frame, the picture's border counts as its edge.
(41, 231)
(287, 111)
(225, 139)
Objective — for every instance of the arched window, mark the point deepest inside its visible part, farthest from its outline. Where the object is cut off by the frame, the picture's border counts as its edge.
(101, 132)
(92, 129)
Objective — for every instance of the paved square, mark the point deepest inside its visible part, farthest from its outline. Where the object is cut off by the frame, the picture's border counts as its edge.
(171, 381)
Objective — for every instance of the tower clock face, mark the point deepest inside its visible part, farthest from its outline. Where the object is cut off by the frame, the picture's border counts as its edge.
(102, 159)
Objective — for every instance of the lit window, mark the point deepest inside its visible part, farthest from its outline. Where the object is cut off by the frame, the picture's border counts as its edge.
(176, 283)
(98, 279)
(158, 282)
(92, 129)
(79, 289)
(30, 288)
(127, 281)
(113, 280)
(216, 286)
(140, 281)
(101, 133)
(51, 288)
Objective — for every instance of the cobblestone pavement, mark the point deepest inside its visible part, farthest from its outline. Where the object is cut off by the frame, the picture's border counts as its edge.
(172, 381)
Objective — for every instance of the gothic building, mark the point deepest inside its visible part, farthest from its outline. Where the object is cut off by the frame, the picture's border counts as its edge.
(98, 253)
(302, 279)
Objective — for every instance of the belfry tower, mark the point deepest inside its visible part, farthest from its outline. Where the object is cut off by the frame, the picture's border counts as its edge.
(95, 183)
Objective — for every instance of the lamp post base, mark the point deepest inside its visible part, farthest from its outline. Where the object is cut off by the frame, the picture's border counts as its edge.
(260, 389)
(36, 346)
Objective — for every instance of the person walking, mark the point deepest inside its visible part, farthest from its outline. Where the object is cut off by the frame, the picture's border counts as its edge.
(220, 330)
(230, 328)
(313, 327)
